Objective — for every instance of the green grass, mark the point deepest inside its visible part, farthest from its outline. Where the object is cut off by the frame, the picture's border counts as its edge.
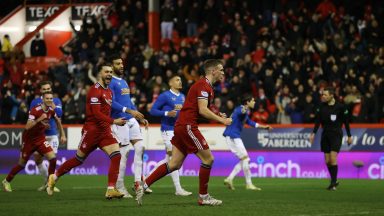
(84, 195)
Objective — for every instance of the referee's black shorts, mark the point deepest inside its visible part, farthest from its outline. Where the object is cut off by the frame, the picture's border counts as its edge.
(331, 141)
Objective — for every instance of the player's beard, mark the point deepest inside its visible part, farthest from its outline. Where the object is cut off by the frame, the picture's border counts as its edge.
(107, 80)
(119, 72)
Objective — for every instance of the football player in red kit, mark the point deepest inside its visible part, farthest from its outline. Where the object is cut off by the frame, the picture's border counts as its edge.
(34, 138)
(187, 138)
(96, 133)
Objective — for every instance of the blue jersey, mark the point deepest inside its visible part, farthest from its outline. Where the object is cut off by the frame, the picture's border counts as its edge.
(238, 121)
(121, 98)
(167, 101)
(52, 123)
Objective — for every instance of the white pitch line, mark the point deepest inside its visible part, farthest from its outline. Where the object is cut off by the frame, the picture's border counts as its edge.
(345, 213)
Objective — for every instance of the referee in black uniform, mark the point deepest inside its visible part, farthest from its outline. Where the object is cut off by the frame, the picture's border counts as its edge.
(331, 115)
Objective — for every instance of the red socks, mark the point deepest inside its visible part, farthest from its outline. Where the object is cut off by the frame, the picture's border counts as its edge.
(114, 168)
(160, 172)
(52, 166)
(68, 165)
(16, 169)
(204, 173)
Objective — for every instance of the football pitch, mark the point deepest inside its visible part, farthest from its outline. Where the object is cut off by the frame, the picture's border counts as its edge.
(84, 195)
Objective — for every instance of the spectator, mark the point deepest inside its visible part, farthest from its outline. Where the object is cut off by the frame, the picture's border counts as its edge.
(192, 20)
(7, 46)
(167, 17)
(38, 47)
(308, 110)
(260, 116)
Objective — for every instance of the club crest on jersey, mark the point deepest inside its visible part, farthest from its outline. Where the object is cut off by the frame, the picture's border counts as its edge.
(204, 93)
(178, 106)
(125, 91)
(173, 98)
(333, 117)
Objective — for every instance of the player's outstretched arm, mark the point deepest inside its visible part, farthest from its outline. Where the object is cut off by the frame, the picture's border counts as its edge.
(267, 127)
(208, 114)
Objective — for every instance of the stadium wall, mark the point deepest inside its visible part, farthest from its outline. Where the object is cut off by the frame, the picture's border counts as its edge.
(292, 161)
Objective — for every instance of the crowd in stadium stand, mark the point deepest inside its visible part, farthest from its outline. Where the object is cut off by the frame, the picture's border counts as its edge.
(283, 52)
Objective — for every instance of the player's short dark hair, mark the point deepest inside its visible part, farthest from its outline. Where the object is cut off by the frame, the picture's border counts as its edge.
(330, 90)
(173, 76)
(46, 82)
(45, 93)
(113, 57)
(210, 63)
(100, 67)
(246, 98)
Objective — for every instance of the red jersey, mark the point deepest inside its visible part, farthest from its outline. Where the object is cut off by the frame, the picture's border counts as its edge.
(189, 114)
(98, 108)
(38, 131)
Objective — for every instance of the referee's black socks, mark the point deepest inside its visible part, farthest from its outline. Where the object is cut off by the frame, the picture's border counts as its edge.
(333, 172)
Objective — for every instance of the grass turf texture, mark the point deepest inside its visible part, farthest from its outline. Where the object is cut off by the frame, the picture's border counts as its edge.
(84, 195)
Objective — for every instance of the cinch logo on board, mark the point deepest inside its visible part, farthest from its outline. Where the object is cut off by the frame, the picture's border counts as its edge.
(287, 169)
(376, 170)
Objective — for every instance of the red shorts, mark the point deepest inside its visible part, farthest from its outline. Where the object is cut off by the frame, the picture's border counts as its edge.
(31, 145)
(92, 138)
(188, 139)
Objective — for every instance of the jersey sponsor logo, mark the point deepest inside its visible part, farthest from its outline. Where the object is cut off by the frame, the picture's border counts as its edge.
(333, 117)
(94, 99)
(173, 98)
(125, 91)
(204, 93)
